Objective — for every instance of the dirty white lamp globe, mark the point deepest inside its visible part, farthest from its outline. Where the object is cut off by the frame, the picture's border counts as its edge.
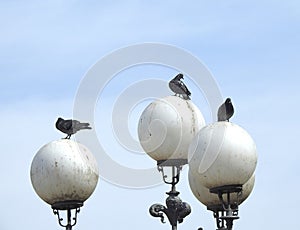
(167, 127)
(222, 154)
(64, 171)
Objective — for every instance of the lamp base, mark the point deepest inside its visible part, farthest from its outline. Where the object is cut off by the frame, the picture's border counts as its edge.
(172, 162)
(68, 206)
(65, 205)
(235, 188)
(226, 211)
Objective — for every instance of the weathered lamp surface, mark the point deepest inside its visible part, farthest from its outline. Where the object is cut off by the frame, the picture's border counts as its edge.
(167, 127)
(221, 154)
(210, 199)
(64, 170)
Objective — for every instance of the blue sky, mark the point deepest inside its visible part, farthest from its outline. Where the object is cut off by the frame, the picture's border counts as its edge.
(250, 47)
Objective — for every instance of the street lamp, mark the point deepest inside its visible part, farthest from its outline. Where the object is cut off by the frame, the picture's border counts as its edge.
(64, 174)
(166, 128)
(222, 160)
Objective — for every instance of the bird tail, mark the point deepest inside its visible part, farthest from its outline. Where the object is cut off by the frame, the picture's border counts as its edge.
(84, 126)
(186, 97)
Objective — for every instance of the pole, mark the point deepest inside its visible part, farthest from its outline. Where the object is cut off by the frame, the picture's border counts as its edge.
(69, 226)
(173, 189)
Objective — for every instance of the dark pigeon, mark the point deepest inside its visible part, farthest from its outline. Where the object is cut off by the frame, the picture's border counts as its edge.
(225, 111)
(179, 88)
(70, 127)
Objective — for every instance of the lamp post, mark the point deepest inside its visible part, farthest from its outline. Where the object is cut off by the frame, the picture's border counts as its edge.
(64, 174)
(222, 160)
(166, 129)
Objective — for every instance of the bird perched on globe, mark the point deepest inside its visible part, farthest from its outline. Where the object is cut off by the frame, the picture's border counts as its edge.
(70, 126)
(179, 88)
(225, 110)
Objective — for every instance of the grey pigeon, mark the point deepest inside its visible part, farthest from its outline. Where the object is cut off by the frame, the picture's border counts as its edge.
(70, 127)
(179, 88)
(225, 111)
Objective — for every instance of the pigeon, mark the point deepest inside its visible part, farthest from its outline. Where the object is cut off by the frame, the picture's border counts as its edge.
(179, 88)
(70, 127)
(225, 111)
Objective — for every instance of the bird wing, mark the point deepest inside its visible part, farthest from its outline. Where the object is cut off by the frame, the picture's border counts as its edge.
(185, 89)
(175, 86)
(222, 113)
(229, 110)
(67, 124)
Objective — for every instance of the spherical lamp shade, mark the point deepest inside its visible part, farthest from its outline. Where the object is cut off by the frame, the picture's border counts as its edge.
(167, 127)
(211, 199)
(64, 170)
(222, 154)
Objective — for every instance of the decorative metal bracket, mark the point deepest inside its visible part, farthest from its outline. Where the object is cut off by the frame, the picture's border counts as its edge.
(227, 211)
(175, 209)
(68, 206)
(176, 165)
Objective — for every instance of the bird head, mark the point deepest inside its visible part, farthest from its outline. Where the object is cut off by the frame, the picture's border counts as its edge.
(179, 76)
(228, 101)
(59, 120)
